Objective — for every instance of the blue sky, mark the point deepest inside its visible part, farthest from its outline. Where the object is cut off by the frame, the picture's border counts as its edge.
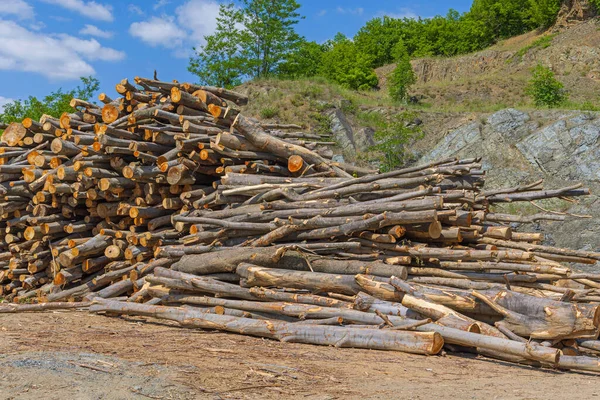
(48, 44)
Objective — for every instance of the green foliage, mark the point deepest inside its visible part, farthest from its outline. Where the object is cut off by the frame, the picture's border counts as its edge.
(219, 62)
(588, 106)
(503, 18)
(304, 62)
(348, 106)
(323, 123)
(447, 36)
(543, 12)
(311, 92)
(393, 135)
(487, 22)
(545, 89)
(269, 112)
(378, 37)
(250, 41)
(543, 43)
(55, 103)
(268, 35)
(346, 65)
(403, 75)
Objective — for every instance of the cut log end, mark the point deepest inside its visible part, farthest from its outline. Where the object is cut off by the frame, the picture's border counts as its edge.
(110, 113)
(295, 163)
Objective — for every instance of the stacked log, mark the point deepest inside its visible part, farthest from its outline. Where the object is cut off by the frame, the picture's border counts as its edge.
(167, 202)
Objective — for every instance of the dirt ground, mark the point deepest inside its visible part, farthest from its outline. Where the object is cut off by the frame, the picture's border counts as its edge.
(75, 355)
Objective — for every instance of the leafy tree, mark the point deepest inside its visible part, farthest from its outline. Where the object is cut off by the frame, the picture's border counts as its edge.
(545, 89)
(304, 62)
(378, 37)
(218, 62)
(55, 103)
(503, 18)
(344, 64)
(544, 12)
(393, 136)
(403, 75)
(447, 35)
(269, 34)
(250, 41)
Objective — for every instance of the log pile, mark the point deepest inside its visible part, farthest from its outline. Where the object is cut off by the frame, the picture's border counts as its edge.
(167, 202)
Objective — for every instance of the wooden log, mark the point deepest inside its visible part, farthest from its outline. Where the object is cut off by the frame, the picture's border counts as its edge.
(530, 316)
(419, 343)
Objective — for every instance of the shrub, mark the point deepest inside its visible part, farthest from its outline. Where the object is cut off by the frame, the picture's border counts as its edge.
(269, 112)
(402, 76)
(392, 136)
(545, 89)
(543, 43)
(344, 64)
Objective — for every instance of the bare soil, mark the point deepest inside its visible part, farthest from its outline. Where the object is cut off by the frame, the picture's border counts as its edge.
(75, 355)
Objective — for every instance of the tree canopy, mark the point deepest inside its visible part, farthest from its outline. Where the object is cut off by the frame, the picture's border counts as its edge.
(250, 42)
(55, 103)
(258, 39)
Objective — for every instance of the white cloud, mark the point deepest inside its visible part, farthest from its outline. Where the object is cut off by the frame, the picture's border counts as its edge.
(56, 57)
(60, 18)
(92, 30)
(158, 32)
(400, 13)
(37, 26)
(4, 101)
(90, 9)
(354, 11)
(90, 48)
(160, 3)
(16, 7)
(200, 16)
(192, 21)
(135, 9)
(321, 13)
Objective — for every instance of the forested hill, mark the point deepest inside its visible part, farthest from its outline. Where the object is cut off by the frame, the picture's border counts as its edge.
(233, 55)
(256, 39)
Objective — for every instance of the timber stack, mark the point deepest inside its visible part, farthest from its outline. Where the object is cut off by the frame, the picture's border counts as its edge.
(168, 203)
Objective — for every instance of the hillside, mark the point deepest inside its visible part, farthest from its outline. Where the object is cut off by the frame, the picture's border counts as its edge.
(475, 105)
(496, 77)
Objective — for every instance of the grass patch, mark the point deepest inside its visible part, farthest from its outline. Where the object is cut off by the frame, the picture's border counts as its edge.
(269, 112)
(323, 123)
(541, 43)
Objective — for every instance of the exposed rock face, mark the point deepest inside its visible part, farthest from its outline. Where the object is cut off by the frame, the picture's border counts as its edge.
(364, 138)
(517, 148)
(350, 141)
(341, 130)
(573, 11)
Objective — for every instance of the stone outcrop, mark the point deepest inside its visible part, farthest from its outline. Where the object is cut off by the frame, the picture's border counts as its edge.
(561, 147)
(349, 140)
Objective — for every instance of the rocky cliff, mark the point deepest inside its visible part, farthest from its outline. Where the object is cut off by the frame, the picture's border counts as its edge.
(517, 147)
(498, 75)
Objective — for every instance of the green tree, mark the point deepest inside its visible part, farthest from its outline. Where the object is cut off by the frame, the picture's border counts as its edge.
(544, 12)
(304, 62)
(503, 18)
(344, 64)
(545, 89)
(403, 75)
(378, 37)
(250, 41)
(393, 135)
(269, 34)
(218, 62)
(55, 103)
